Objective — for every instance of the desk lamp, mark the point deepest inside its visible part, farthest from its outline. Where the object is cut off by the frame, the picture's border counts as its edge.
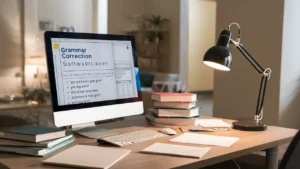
(219, 57)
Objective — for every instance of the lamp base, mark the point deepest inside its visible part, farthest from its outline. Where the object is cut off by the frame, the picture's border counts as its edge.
(249, 126)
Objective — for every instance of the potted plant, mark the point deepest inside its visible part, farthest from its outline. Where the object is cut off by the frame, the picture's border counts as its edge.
(154, 37)
(157, 21)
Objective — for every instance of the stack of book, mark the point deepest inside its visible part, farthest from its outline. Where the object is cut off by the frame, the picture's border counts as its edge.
(178, 109)
(34, 141)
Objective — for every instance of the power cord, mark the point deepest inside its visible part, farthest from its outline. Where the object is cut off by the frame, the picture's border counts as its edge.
(235, 162)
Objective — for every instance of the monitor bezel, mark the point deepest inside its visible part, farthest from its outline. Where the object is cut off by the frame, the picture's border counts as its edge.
(51, 71)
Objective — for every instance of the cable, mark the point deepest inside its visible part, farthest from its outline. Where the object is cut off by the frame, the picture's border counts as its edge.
(237, 164)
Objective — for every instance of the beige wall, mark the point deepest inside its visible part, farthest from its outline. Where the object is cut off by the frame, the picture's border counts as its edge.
(81, 15)
(168, 9)
(119, 12)
(10, 46)
(202, 33)
(289, 111)
(77, 13)
(235, 92)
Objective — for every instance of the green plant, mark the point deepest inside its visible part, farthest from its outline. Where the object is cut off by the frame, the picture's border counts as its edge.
(38, 95)
(25, 92)
(157, 20)
(152, 35)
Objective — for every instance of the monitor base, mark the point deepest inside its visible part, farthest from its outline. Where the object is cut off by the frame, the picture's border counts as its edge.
(92, 131)
(249, 126)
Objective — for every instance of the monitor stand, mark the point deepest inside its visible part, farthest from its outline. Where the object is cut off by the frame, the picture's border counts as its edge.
(90, 130)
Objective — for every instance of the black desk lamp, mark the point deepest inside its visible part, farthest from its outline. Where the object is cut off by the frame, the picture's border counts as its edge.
(219, 57)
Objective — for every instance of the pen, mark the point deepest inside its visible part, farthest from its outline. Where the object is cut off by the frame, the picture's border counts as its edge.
(201, 130)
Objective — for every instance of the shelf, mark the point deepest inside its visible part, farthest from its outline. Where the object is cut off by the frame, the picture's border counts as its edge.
(147, 56)
(145, 31)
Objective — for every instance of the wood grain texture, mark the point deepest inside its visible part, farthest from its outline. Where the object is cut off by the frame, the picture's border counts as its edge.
(250, 142)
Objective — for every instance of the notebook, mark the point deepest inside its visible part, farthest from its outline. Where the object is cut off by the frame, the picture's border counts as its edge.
(205, 139)
(34, 133)
(176, 150)
(82, 156)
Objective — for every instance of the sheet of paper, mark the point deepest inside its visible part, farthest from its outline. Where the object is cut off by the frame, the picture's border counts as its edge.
(212, 123)
(205, 139)
(177, 150)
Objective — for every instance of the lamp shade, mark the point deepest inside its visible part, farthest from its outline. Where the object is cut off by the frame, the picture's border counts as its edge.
(219, 56)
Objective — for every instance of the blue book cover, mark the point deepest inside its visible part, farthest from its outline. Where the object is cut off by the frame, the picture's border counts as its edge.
(33, 130)
(35, 151)
(34, 133)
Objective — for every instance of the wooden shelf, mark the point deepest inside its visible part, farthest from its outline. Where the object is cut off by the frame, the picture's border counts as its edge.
(141, 55)
(144, 31)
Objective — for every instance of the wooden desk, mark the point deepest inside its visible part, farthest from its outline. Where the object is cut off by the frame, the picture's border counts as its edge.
(250, 142)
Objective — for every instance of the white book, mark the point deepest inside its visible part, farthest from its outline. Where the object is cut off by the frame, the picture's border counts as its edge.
(205, 139)
(176, 150)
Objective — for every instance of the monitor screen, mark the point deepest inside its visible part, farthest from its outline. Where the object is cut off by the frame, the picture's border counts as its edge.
(93, 70)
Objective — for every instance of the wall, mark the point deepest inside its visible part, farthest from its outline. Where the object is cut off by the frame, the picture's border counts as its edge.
(184, 41)
(235, 92)
(68, 13)
(202, 34)
(10, 46)
(119, 12)
(81, 15)
(289, 111)
(168, 9)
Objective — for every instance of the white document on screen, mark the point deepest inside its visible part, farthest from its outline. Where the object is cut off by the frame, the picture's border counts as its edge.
(93, 70)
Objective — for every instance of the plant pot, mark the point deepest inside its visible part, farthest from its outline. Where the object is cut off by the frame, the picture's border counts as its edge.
(156, 40)
(156, 27)
(146, 41)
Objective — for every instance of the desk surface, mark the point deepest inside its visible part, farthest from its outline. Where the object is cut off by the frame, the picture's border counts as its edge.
(250, 142)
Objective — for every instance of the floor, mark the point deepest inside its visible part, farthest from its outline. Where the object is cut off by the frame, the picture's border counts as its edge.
(254, 161)
(206, 103)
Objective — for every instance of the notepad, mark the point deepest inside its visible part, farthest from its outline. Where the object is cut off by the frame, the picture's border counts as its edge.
(205, 139)
(83, 156)
(176, 150)
(211, 123)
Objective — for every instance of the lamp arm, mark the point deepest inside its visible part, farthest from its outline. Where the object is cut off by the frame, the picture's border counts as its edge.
(266, 74)
(250, 58)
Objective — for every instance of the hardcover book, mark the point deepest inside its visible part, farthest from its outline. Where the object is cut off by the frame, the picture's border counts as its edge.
(34, 133)
(174, 97)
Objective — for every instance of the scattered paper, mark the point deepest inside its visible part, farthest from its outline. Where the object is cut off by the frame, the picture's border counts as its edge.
(205, 139)
(177, 150)
(209, 123)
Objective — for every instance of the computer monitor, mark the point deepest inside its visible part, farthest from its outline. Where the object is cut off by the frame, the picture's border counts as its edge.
(92, 77)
